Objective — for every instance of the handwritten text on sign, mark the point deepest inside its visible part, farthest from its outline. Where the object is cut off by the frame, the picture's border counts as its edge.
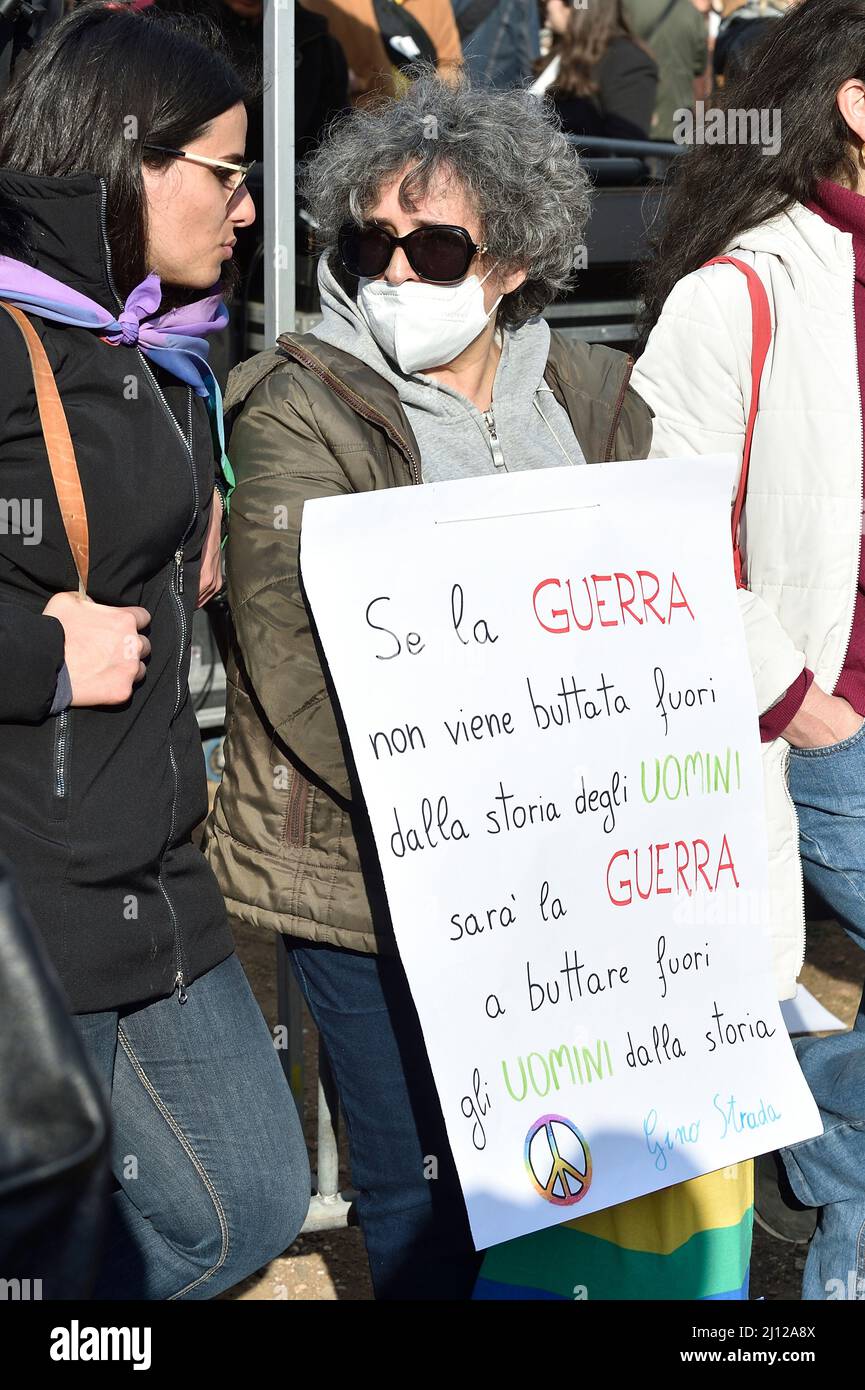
(545, 684)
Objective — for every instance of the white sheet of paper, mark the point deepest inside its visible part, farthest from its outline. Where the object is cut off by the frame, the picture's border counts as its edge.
(805, 1014)
(545, 684)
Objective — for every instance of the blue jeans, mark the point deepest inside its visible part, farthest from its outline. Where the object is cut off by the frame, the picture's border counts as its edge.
(410, 1204)
(828, 787)
(207, 1147)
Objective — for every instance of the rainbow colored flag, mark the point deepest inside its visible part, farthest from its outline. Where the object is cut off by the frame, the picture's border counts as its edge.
(690, 1241)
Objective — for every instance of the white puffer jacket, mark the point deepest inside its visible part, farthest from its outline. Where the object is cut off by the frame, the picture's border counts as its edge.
(803, 510)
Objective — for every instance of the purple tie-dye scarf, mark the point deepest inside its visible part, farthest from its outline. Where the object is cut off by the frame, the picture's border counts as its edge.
(174, 340)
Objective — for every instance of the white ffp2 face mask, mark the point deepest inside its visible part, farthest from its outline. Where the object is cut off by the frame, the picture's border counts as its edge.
(420, 326)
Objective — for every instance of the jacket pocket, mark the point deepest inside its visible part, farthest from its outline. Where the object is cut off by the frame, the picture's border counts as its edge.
(60, 764)
(294, 827)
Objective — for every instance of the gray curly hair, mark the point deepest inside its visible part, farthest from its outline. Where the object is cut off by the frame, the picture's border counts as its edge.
(505, 148)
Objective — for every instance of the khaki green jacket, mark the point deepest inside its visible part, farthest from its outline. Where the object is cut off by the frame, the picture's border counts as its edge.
(288, 838)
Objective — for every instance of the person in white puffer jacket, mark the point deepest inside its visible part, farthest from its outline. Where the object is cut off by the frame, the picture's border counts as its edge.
(797, 217)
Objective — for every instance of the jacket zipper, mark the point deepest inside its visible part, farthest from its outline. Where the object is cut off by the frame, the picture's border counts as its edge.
(617, 410)
(852, 617)
(176, 589)
(495, 445)
(353, 399)
(105, 242)
(296, 809)
(861, 487)
(60, 743)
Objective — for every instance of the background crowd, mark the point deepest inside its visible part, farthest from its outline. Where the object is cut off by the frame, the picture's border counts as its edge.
(613, 67)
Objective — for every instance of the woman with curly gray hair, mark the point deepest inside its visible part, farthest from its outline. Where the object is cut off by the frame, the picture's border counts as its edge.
(450, 218)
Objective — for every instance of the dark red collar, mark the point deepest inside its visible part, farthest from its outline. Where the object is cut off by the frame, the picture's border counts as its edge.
(844, 210)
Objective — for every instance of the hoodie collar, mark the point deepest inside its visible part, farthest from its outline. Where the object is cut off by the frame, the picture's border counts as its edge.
(67, 233)
(806, 244)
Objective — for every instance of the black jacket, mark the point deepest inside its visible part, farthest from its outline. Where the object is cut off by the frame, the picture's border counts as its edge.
(97, 805)
(627, 79)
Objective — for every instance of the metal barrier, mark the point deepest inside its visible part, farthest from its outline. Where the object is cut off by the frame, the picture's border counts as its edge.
(329, 1209)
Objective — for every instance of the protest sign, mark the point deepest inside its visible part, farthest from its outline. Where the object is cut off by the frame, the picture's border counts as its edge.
(546, 688)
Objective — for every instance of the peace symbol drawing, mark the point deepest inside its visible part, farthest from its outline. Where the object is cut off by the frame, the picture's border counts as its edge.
(559, 1160)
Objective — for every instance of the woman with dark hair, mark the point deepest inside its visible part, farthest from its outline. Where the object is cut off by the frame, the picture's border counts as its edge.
(121, 157)
(797, 220)
(602, 80)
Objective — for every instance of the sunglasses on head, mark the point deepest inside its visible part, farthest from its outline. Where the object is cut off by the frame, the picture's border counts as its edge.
(440, 253)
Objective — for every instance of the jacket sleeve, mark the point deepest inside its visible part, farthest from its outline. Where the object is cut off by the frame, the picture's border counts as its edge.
(31, 656)
(691, 374)
(281, 460)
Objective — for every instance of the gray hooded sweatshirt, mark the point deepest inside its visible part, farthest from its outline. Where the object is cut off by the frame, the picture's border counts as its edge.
(526, 427)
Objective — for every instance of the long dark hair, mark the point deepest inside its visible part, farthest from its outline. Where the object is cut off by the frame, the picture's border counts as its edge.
(99, 84)
(719, 191)
(14, 229)
(589, 34)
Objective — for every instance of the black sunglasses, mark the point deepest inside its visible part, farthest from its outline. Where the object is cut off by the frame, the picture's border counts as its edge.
(441, 254)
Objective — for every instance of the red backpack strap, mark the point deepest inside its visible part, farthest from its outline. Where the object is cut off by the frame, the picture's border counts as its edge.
(761, 338)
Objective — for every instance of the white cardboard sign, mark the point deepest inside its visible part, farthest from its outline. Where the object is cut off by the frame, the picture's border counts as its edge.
(545, 684)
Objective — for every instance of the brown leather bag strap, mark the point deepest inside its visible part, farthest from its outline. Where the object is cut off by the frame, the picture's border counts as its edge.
(58, 442)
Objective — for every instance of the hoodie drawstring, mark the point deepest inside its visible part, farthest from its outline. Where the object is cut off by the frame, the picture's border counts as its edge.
(568, 458)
